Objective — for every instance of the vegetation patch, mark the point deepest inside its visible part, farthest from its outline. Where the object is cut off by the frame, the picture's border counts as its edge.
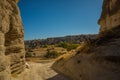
(68, 46)
(52, 54)
(28, 54)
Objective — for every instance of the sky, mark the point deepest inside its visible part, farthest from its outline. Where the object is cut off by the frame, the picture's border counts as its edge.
(55, 18)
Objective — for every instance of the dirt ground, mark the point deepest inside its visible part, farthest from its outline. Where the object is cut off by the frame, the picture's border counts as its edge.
(40, 71)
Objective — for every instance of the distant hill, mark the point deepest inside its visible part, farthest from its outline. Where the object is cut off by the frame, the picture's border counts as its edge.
(73, 39)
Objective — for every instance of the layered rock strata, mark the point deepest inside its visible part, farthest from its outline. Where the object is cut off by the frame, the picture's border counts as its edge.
(12, 61)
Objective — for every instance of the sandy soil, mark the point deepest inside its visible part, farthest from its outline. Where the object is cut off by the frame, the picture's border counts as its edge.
(40, 71)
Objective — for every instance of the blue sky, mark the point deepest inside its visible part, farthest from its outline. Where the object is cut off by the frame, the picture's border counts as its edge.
(53, 18)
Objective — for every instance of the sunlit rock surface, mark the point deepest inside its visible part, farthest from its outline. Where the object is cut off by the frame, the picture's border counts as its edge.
(11, 40)
(110, 16)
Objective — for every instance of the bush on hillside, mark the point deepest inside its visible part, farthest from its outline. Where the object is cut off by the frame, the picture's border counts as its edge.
(45, 46)
(68, 46)
(52, 54)
(28, 54)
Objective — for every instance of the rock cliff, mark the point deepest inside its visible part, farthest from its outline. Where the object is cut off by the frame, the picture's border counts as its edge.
(110, 16)
(12, 61)
(97, 59)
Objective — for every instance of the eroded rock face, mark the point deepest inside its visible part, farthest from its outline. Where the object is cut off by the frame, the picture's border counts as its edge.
(110, 16)
(11, 40)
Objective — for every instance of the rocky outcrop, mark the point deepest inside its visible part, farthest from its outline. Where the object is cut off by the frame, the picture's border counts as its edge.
(97, 59)
(101, 64)
(11, 40)
(110, 16)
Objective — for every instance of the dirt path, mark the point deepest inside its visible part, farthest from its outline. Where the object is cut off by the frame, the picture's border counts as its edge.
(40, 71)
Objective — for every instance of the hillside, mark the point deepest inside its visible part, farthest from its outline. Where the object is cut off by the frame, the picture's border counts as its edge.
(54, 47)
(74, 39)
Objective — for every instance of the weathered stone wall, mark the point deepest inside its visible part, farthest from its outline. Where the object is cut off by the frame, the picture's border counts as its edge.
(110, 16)
(11, 40)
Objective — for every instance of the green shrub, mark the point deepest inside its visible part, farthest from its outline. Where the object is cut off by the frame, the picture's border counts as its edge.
(72, 46)
(45, 46)
(28, 54)
(52, 54)
(62, 44)
(68, 46)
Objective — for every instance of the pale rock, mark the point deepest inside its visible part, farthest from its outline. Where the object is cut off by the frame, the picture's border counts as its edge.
(12, 52)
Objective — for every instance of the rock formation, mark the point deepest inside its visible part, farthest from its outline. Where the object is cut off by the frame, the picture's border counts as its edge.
(110, 16)
(11, 40)
(97, 59)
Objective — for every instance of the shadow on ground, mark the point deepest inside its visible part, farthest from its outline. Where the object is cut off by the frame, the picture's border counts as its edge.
(59, 77)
